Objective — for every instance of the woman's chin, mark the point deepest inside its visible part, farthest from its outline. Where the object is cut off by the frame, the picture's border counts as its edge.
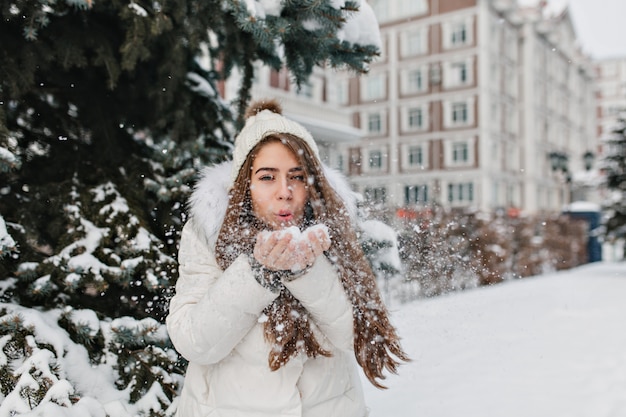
(280, 223)
(284, 224)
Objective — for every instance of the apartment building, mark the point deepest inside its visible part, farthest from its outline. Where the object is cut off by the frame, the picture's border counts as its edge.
(465, 106)
(558, 111)
(611, 92)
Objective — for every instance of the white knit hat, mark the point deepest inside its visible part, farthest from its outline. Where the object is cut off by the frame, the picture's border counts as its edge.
(264, 118)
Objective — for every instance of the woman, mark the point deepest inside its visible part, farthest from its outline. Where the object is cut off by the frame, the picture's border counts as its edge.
(276, 303)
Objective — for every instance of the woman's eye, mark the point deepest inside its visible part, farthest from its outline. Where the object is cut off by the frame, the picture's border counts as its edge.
(266, 178)
(298, 178)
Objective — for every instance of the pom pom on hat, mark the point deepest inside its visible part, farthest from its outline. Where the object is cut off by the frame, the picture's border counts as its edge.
(264, 118)
(258, 106)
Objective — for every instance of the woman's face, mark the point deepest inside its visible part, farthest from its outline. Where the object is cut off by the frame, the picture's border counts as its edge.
(278, 186)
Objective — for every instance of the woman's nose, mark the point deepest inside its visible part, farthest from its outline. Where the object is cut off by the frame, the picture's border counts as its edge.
(285, 191)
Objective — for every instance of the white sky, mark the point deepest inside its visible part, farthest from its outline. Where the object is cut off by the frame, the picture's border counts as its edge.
(600, 24)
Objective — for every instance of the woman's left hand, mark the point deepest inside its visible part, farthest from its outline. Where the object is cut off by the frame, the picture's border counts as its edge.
(312, 244)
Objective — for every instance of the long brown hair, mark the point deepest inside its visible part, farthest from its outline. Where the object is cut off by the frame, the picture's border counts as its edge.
(376, 344)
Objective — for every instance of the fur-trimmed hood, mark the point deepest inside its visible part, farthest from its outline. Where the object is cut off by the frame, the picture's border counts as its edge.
(209, 200)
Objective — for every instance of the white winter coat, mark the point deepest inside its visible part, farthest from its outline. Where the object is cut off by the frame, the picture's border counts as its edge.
(216, 322)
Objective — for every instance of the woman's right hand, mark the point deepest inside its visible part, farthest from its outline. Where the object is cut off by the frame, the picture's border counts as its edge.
(280, 251)
(272, 250)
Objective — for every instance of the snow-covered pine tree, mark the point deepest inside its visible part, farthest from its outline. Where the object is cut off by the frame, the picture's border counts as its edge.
(107, 109)
(445, 250)
(435, 251)
(614, 165)
(380, 245)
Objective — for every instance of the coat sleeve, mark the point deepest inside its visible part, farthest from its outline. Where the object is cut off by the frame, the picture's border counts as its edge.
(212, 309)
(322, 294)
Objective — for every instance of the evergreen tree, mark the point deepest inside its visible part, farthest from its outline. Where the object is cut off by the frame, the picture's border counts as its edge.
(380, 245)
(107, 110)
(435, 251)
(614, 165)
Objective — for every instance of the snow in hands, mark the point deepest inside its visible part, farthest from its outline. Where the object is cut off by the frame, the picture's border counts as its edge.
(298, 237)
(295, 232)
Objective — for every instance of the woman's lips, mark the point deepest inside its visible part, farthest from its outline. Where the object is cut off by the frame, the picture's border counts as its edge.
(285, 215)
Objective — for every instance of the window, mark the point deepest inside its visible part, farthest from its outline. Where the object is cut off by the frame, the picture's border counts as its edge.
(608, 91)
(375, 160)
(460, 73)
(415, 80)
(414, 42)
(459, 34)
(459, 113)
(510, 120)
(461, 192)
(460, 153)
(340, 164)
(415, 194)
(611, 111)
(376, 195)
(495, 114)
(339, 93)
(387, 10)
(416, 118)
(411, 7)
(460, 69)
(609, 70)
(373, 87)
(416, 156)
(374, 123)
(495, 195)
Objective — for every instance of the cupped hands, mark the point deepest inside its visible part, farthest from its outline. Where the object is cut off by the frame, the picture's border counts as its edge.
(289, 249)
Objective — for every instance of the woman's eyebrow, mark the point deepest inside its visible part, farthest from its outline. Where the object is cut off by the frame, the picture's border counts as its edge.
(295, 169)
(266, 169)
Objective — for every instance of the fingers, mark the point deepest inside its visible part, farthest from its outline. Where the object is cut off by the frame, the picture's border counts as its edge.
(272, 252)
(319, 241)
(282, 251)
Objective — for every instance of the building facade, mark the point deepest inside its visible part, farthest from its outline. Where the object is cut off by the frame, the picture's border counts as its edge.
(463, 108)
(611, 92)
(558, 110)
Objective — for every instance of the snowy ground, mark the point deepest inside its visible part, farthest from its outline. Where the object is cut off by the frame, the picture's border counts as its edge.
(551, 346)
